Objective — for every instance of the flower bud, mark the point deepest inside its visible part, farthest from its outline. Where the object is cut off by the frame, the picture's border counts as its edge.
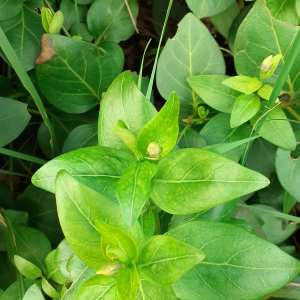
(109, 269)
(267, 64)
(154, 150)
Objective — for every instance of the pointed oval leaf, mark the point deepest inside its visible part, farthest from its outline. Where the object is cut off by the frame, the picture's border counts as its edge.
(213, 92)
(99, 168)
(192, 51)
(53, 271)
(265, 92)
(98, 287)
(237, 258)
(34, 293)
(123, 101)
(26, 268)
(61, 257)
(49, 289)
(162, 129)
(116, 243)
(73, 74)
(127, 283)
(192, 180)
(78, 208)
(133, 189)
(163, 260)
(244, 108)
(238, 83)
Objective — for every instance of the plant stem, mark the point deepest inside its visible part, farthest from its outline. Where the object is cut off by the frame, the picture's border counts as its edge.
(33, 111)
(293, 113)
(131, 16)
(156, 218)
(11, 169)
(242, 4)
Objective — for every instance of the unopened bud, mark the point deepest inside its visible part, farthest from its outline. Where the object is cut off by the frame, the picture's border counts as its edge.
(154, 150)
(267, 64)
(109, 269)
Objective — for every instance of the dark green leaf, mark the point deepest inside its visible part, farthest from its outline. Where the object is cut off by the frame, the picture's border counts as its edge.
(10, 9)
(238, 259)
(163, 260)
(6, 87)
(116, 52)
(14, 117)
(14, 293)
(133, 189)
(67, 7)
(26, 268)
(8, 273)
(123, 101)
(84, 32)
(73, 74)
(6, 197)
(110, 21)
(107, 166)
(183, 173)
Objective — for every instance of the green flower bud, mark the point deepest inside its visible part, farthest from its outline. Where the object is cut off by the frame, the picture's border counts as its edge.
(47, 17)
(154, 150)
(109, 269)
(52, 23)
(202, 112)
(267, 64)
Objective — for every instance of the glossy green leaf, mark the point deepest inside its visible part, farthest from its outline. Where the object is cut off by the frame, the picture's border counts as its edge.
(61, 257)
(41, 208)
(162, 129)
(276, 229)
(127, 283)
(14, 117)
(150, 291)
(84, 32)
(265, 92)
(207, 8)
(276, 129)
(133, 189)
(237, 258)
(34, 293)
(261, 35)
(223, 21)
(106, 164)
(53, 271)
(192, 51)
(185, 172)
(123, 101)
(67, 7)
(26, 268)
(81, 137)
(283, 11)
(27, 27)
(9, 9)
(219, 131)
(98, 287)
(110, 20)
(163, 260)
(73, 81)
(288, 170)
(244, 108)
(213, 92)
(49, 289)
(77, 218)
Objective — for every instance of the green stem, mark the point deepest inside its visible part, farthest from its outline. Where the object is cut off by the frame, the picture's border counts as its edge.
(156, 218)
(33, 111)
(77, 18)
(17, 95)
(297, 117)
(242, 2)
(11, 169)
(66, 32)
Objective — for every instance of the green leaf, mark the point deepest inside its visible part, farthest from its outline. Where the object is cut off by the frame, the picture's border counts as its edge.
(27, 27)
(163, 260)
(123, 101)
(223, 21)
(150, 291)
(57, 22)
(26, 268)
(128, 138)
(73, 80)
(84, 32)
(53, 271)
(77, 218)
(10, 9)
(207, 8)
(185, 172)
(110, 21)
(241, 223)
(6, 87)
(133, 189)
(34, 293)
(289, 202)
(83, 136)
(41, 208)
(191, 139)
(259, 36)
(98, 287)
(298, 7)
(14, 118)
(276, 129)
(213, 92)
(8, 273)
(107, 166)
(162, 129)
(265, 92)
(127, 283)
(116, 52)
(288, 169)
(49, 289)
(67, 7)
(239, 259)
(61, 257)
(147, 222)
(193, 51)
(284, 11)
(240, 83)
(244, 108)
(14, 292)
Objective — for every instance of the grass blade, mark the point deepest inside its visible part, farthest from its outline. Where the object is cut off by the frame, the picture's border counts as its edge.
(26, 81)
(77, 18)
(142, 64)
(19, 155)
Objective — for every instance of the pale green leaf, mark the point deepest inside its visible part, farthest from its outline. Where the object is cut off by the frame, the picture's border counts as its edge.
(127, 283)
